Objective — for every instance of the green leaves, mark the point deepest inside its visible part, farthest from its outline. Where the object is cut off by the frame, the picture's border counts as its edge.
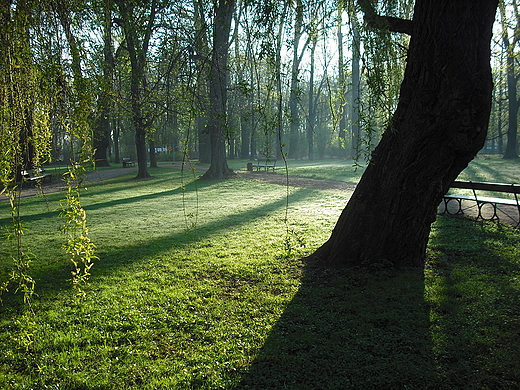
(78, 244)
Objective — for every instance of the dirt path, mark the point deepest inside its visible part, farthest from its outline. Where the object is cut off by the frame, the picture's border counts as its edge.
(507, 214)
(58, 185)
(275, 178)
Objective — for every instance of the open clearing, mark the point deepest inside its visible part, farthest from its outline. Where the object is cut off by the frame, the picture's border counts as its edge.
(200, 285)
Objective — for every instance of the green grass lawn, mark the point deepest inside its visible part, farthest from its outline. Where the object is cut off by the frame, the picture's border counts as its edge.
(203, 288)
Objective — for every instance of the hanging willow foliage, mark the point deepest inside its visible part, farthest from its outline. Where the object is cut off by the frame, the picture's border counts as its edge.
(24, 130)
(383, 57)
(31, 88)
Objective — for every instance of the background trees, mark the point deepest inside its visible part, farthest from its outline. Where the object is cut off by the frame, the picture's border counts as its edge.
(140, 72)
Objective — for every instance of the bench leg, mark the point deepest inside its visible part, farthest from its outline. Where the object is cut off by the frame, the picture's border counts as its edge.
(480, 205)
(459, 206)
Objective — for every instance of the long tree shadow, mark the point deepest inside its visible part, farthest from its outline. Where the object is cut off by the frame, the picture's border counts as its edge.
(452, 326)
(485, 170)
(349, 329)
(55, 277)
(475, 303)
(90, 199)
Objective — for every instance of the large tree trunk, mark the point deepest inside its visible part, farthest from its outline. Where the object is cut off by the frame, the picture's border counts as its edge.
(217, 124)
(438, 127)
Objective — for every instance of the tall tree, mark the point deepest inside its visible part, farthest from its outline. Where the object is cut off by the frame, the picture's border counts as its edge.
(201, 57)
(311, 115)
(278, 76)
(356, 82)
(102, 128)
(19, 100)
(342, 86)
(513, 102)
(438, 127)
(68, 13)
(137, 39)
(218, 123)
(294, 97)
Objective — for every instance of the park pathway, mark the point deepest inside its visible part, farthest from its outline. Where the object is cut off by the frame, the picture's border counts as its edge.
(507, 214)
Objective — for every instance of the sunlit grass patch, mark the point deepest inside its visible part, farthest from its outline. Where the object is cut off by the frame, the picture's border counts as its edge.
(204, 287)
(492, 168)
(171, 304)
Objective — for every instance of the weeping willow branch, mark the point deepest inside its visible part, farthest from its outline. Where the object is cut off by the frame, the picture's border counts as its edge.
(78, 245)
(24, 134)
(383, 63)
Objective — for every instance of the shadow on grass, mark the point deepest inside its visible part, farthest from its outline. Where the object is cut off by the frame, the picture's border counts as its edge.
(477, 171)
(349, 329)
(89, 197)
(354, 329)
(54, 278)
(475, 304)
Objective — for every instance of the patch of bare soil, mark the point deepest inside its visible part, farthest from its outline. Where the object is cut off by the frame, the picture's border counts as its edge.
(318, 184)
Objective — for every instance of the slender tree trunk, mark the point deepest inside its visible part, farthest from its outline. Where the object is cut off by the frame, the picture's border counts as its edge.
(218, 123)
(511, 151)
(312, 109)
(342, 153)
(202, 53)
(438, 127)
(101, 136)
(279, 92)
(137, 50)
(294, 127)
(153, 155)
(115, 140)
(356, 95)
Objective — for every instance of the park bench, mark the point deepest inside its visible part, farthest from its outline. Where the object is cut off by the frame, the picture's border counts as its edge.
(482, 201)
(36, 176)
(127, 162)
(265, 163)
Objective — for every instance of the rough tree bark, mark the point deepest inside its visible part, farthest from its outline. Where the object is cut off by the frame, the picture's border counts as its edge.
(438, 127)
(217, 124)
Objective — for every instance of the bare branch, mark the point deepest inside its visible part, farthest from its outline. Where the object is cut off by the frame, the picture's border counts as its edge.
(373, 20)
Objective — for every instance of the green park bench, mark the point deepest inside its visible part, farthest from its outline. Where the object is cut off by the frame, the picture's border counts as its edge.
(482, 201)
(127, 162)
(265, 163)
(36, 176)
